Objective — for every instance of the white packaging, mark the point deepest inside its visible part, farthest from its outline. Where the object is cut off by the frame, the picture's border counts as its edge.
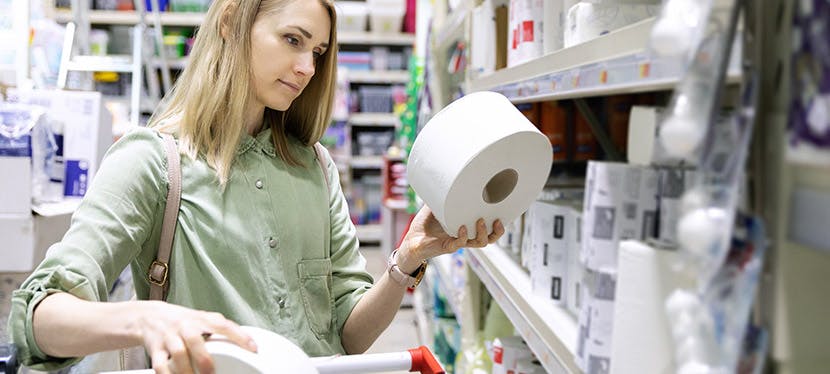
(479, 157)
(674, 182)
(386, 16)
(642, 133)
(553, 26)
(524, 42)
(529, 366)
(586, 21)
(351, 16)
(596, 322)
(482, 45)
(620, 203)
(507, 352)
(573, 281)
(642, 339)
(16, 185)
(87, 131)
(26, 237)
(554, 232)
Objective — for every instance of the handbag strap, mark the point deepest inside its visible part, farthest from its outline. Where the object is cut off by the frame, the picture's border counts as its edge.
(158, 272)
(319, 151)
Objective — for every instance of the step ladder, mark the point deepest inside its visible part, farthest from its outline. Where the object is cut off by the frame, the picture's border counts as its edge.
(75, 55)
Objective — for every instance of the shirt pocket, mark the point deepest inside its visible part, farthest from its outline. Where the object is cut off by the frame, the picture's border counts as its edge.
(315, 287)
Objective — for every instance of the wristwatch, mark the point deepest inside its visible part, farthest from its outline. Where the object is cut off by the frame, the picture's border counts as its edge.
(408, 280)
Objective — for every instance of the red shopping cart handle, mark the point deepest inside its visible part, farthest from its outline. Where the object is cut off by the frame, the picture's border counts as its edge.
(424, 362)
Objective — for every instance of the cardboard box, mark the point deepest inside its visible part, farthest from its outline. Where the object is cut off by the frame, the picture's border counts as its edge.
(553, 123)
(27, 237)
(596, 322)
(16, 185)
(620, 203)
(573, 281)
(87, 131)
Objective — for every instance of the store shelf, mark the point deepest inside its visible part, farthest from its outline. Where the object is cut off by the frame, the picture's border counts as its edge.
(369, 233)
(173, 63)
(373, 119)
(378, 76)
(366, 162)
(396, 204)
(442, 265)
(375, 38)
(550, 331)
(119, 17)
(615, 63)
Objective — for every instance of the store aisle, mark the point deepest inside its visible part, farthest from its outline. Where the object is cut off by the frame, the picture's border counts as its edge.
(402, 333)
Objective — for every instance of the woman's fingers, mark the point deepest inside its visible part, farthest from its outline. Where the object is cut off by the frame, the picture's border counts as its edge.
(158, 359)
(199, 356)
(498, 231)
(179, 355)
(220, 325)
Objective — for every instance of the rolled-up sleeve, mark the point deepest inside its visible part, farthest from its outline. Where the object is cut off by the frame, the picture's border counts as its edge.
(116, 219)
(350, 279)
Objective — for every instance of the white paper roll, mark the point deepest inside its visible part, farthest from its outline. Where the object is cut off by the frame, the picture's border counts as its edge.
(644, 281)
(478, 158)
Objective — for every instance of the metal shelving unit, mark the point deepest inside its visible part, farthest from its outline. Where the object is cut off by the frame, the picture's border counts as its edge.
(378, 76)
(373, 119)
(121, 17)
(369, 233)
(550, 331)
(615, 63)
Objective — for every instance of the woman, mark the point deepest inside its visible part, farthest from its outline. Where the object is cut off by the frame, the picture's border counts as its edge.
(261, 240)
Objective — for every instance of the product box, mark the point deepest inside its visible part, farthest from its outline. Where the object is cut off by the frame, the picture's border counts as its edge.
(16, 185)
(87, 131)
(555, 233)
(573, 281)
(620, 203)
(642, 134)
(674, 182)
(596, 322)
(507, 352)
(26, 237)
(553, 123)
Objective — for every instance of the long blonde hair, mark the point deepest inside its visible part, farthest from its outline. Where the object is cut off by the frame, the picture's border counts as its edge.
(206, 105)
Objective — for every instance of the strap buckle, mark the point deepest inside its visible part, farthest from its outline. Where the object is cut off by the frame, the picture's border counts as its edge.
(153, 274)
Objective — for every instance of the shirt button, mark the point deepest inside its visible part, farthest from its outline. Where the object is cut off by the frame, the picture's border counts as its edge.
(281, 302)
(272, 243)
(258, 184)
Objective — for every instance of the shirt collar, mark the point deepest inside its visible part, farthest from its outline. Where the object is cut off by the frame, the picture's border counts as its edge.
(262, 142)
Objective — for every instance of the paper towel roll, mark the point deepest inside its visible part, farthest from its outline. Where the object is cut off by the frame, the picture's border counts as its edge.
(478, 158)
(642, 340)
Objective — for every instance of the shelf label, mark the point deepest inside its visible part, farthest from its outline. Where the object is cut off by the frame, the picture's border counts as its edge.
(645, 69)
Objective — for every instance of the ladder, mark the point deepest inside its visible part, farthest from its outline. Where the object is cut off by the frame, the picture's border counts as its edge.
(75, 55)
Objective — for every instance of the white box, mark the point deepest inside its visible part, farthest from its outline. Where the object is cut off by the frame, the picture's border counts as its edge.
(642, 134)
(16, 185)
(351, 16)
(386, 16)
(548, 274)
(27, 237)
(596, 322)
(87, 131)
(573, 280)
(620, 203)
(674, 182)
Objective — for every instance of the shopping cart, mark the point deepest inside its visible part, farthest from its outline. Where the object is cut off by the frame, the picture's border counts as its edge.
(419, 360)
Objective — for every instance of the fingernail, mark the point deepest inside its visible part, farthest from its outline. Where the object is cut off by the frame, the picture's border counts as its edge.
(252, 345)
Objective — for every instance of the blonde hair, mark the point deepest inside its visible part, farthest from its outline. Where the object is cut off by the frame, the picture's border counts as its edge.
(206, 105)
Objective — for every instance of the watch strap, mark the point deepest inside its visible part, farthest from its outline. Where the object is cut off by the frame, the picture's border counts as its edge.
(404, 279)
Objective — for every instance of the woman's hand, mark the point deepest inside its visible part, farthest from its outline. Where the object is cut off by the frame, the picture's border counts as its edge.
(174, 336)
(426, 238)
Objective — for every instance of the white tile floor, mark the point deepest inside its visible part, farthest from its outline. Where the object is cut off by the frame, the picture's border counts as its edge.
(402, 333)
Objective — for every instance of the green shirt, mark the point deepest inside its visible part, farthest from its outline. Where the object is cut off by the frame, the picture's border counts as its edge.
(274, 249)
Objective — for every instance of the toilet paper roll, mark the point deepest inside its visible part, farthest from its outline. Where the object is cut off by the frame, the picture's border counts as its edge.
(552, 25)
(478, 158)
(644, 281)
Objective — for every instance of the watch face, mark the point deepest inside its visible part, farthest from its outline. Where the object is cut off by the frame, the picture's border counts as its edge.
(421, 271)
